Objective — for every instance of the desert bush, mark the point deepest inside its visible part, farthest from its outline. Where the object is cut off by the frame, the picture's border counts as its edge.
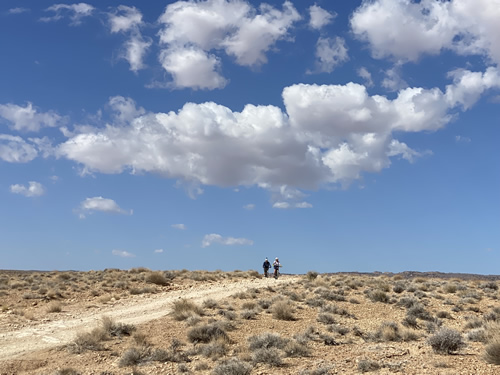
(328, 340)
(378, 296)
(283, 310)
(54, 307)
(266, 340)
(67, 371)
(210, 303)
(450, 288)
(446, 341)
(491, 285)
(270, 356)
(419, 311)
(232, 366)
(492, 352)
(214, 350)
(311, 275)
(367, 365)
(443, 315)
(323, 370)
(157, 278)
(399, 287)
(477, 335)
(326, 318)
(228, 314)
(296, 349)
(116, 329)
(133, 356)
(473, 322)
(248, 314)
(88, 341)
(207, 333)
(342, 331)
(183, 309)
(410, 321)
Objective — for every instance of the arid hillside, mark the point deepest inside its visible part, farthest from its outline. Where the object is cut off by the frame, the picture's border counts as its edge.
(140, 321)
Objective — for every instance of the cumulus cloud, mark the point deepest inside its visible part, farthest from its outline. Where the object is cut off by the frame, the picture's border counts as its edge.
(287, 205)
(249, 206)
(34, 189)
(192, 67)
(125, 19)
(366, 75)
(14, 149)
(319, 17)
(158, 251)
(75, 12)
(330, 52)
(210, 239)
(91, 205)
(326, 135)
(193, 32)
(122, 253)
(407, 29)
(393, 80)
(27, 118)
(179, 226)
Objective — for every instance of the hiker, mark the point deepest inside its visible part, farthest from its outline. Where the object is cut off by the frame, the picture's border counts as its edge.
(266, 265)
(276, 265)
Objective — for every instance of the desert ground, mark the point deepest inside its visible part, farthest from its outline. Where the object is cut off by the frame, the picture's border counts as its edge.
(140, 321)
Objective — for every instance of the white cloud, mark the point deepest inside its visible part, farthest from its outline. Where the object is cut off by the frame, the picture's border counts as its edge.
(327, 135)
(125, 19)
(125, 109)
(393, 80)
(462, 139)
(192, 68)
(18, 10)
(194, 32)
(28, 118)
(287, 205)
(122, 253)
(74, 11)
(179, 226)
(319, 17)
(366, 75)
(14, 149)
(210, 239)
(249, 206)
(407, 29)
(34, 189)
(91, 205)
(158, 251)
(330, 52)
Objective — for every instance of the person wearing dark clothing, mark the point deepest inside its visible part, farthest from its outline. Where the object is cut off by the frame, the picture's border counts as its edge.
(266, 267)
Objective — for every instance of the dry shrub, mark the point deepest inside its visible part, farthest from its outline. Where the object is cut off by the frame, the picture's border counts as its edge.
(367, 365)
(492, 352)
(116, 329)
(54, 307)
(446, 341)
(266, 340)
(311, 275)
(270, 356)
(183, 309)
(296, 349)
(283, 310)
(232, 366)
(157, 278)
(207, 333)
(88, 341)
(215, 349)
(210, 303)
(134, 356)
(379, 296)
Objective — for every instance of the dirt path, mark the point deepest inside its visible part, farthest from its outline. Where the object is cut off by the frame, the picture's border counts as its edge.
(63, 327)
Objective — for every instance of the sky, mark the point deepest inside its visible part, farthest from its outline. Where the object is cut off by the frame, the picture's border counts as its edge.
(210, 134)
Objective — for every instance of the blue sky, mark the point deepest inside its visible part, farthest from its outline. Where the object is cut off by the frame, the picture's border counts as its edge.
(336, 135)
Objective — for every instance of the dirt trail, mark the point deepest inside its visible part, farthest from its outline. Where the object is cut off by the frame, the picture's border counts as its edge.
(62, 329)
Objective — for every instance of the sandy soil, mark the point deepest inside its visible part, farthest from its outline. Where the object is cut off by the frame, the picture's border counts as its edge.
(60, 329)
